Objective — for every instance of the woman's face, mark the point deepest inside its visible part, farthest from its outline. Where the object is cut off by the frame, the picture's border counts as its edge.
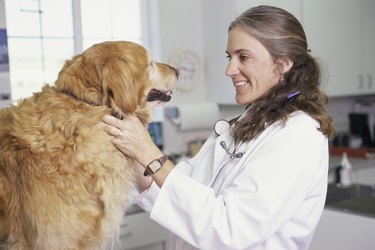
(250, 66)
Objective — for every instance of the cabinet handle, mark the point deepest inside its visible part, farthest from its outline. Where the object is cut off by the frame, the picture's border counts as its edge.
(360, 78)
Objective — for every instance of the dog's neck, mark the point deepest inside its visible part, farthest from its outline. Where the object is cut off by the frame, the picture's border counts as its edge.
(68, 93)
(89, 102)
(142, 114)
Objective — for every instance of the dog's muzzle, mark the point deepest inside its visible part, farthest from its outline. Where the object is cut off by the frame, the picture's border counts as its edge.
(158, 95)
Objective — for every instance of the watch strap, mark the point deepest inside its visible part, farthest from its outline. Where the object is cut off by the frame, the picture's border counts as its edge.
(148, 171)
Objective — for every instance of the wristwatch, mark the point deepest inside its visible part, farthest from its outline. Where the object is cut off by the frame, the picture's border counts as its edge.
(155, 165)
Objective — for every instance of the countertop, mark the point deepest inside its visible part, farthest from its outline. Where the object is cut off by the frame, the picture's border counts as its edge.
(357, 163)
(360, 197)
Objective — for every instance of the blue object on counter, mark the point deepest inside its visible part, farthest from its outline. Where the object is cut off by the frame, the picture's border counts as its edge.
(171, 112)
(155, 130)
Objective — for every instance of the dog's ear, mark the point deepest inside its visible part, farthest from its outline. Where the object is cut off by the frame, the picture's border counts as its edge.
(68, 72)
(79, 78)
(123, 84)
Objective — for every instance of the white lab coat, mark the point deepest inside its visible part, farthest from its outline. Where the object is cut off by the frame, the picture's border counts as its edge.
(271, 198)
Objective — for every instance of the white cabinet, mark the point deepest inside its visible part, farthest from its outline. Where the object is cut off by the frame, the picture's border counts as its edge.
(341, 34)
(344, 231)
(368, 7)
(139, 232)
(216, 21)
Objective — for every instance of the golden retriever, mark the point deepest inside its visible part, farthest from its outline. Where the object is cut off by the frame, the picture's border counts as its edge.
(63, 185)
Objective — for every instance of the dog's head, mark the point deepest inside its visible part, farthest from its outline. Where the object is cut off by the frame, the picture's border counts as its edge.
(117, 74)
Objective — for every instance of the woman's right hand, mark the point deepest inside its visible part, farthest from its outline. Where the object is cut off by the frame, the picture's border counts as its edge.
(132, 138)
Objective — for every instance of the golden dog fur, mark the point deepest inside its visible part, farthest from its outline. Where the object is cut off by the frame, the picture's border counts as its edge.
(63, 185)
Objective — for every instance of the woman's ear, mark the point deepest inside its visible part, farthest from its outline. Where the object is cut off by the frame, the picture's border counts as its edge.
(285, 64)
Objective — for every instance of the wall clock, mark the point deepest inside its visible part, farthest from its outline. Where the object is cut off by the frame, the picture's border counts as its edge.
(188, 63)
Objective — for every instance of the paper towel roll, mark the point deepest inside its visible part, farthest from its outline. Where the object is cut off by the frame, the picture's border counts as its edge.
(197, 116)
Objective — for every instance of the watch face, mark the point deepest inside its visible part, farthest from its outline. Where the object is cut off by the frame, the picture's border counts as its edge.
(155, 165)
(188, 64)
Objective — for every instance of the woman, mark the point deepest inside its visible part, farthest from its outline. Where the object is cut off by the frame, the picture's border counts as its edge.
(267, 189)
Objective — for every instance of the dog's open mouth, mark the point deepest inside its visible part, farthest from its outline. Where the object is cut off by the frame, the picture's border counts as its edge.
(159, 95)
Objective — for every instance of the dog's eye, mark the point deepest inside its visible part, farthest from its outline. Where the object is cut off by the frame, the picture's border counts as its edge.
(110, 93)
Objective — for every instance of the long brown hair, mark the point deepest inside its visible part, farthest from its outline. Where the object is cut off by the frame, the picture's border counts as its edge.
(283, 36)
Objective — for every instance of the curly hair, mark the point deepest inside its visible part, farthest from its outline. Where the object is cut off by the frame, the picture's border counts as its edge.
(283, 36)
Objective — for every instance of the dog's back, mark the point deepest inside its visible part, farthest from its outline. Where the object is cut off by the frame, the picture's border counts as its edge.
(62, 183)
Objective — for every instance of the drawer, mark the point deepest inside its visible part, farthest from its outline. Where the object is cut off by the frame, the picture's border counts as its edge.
(139, 230)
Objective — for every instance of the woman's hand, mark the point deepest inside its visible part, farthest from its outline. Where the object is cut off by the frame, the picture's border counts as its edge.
(131, 137)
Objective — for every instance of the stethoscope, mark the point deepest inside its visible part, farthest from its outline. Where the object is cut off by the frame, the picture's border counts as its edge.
(222, 126)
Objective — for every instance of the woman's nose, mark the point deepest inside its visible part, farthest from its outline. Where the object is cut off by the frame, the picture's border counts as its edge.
(231, 69)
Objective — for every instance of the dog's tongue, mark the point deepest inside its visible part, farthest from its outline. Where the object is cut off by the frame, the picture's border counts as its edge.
(157, 95)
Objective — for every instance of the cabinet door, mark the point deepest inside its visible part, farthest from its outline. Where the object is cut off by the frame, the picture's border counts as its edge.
(344, 231)
(368, 44)
(333, 30)
(138, 231)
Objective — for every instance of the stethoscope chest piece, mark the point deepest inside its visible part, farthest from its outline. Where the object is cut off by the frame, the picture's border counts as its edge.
(221, 126)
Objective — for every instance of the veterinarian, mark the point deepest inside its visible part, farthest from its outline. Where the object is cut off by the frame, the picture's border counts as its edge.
(260, 183)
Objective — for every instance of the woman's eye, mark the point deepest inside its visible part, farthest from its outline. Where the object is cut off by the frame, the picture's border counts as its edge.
(228, 57)
(243, 57)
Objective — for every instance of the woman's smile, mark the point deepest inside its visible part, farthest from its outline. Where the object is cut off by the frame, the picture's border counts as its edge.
(238, 84)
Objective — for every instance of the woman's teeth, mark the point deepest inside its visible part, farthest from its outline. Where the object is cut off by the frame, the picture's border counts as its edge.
(239, 84)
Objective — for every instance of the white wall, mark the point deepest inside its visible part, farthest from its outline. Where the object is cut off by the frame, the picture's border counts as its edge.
(2, 14)
(180, 26)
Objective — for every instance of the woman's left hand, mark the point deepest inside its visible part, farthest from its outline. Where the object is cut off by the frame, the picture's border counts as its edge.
(131, 137)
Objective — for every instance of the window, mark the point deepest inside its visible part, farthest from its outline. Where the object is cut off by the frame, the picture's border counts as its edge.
(42, 34)
(119, 20)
